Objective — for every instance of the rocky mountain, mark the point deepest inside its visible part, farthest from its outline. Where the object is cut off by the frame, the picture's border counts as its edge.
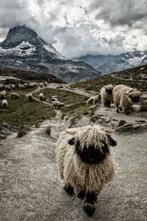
(24, 49)
(111, 63)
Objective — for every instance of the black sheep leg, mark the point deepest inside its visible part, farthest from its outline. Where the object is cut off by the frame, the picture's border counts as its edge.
(89, 204)
(69, 189)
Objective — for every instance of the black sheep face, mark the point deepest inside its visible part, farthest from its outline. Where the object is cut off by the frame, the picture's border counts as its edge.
(91, 154)
(109, 91)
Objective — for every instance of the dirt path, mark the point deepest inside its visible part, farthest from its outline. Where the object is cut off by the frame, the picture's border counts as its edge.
(30, 189)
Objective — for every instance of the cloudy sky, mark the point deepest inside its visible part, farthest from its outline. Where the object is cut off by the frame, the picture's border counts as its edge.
(80, 27)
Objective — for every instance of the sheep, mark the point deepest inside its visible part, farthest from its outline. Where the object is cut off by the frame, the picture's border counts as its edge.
(124, 97)
(84, 162)
(54, 99)
(21, 86)
(41, 85)
(14, 95)
(45, 84)
(4, 103)
(8, 87)
(3, 94)
(57, 104)
(2, 86)
(93, 99)
(42, 97)
(106, 95)
(30, 97)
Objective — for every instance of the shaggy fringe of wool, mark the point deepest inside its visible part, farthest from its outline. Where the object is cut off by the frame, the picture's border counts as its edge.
(82, 176)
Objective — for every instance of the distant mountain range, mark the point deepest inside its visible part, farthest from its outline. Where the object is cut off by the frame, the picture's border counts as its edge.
(112, 63)
(23, 49)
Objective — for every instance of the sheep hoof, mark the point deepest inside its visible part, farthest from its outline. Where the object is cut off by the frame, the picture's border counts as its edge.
(69, 189)
(81, 194)
(89, 210)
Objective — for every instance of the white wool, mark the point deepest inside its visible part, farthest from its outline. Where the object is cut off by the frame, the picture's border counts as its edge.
(4, 103)
(105, 97)
(121, 95)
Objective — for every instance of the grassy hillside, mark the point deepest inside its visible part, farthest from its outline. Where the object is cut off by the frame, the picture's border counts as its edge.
(75, 104)
(135, 77)
(20, 112)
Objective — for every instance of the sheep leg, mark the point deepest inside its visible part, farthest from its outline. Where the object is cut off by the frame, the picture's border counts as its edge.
(81, 194)
(69, 189)
(89, 204)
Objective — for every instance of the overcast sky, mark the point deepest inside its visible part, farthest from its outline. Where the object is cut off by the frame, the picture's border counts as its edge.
(80, 27)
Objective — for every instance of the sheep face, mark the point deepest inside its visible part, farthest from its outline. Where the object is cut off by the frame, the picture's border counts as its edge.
(95, 151)
(134, 96)
(109, 89)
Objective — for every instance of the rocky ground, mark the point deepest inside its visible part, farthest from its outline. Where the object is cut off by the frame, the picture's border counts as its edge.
(30, 189)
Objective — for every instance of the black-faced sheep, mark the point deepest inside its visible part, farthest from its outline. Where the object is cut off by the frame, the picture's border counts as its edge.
(124, 97)
(93, 99)
(42, 97)
(84, 162)
(14, 95)
(57, 104)
(3, 94)
(30, 97)
(4, 103)
(106, 95)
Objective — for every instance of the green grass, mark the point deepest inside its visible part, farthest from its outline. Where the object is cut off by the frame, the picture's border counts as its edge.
(20, 112)
(77, 102)
(99, 82)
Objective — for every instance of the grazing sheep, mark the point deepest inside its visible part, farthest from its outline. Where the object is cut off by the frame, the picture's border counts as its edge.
(30, 97)
(84, 162)
(57, 104)
(3, 94)
(8, 87)
(4, 103)
(14, 95)
(33, 85)
(13, 86)
(41, 85)
(2, 86)
(21, 86)
(93, 99)
(42, 97)
(106, 95)
(45, 84)
(54, 99)
(124, 97)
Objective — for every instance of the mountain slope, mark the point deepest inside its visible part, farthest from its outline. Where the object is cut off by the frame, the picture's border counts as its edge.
(109, 63)
(134, 77)
(24, 49)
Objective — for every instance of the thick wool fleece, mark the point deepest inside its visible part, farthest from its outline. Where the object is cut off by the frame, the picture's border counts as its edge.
(82, 176)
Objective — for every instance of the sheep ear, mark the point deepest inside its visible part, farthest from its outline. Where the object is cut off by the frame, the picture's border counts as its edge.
(111, 141)
(72, 141)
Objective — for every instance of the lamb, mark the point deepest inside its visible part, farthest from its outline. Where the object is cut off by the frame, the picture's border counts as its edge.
(30, 97)
(57, 104)
(4, 103)
(93, 99)
(84, 162)
(124, 97)
(42, 97)
(14, 95)
(106, 95)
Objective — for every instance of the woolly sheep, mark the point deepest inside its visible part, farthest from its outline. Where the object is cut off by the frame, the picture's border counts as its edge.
(4, 103)
(124, 97)
(41, 85)
(84, 162)
(30, 97)
(93, 99)
(57, 104)
(3, 94)
(21, 86)
(106, 95)
(8, 87)
(2, 86)
(42, 97)
(14, 95)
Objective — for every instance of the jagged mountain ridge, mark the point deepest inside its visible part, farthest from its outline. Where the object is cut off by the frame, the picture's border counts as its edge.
(110, 63)
(24, 49)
